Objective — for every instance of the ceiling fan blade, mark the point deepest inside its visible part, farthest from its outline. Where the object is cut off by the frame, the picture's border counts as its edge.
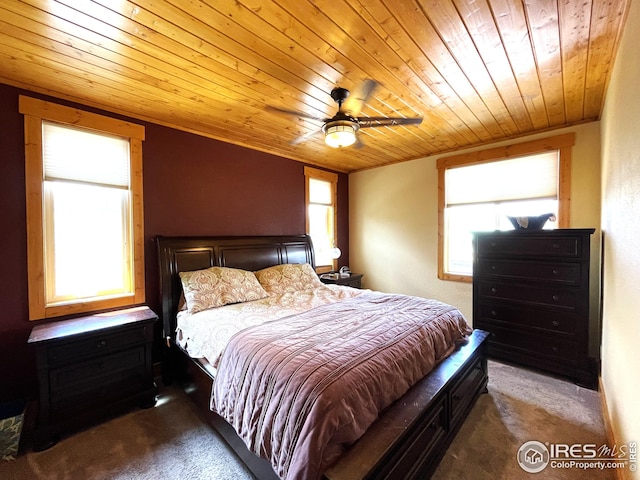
(368, 122)
(295, 113)
(359, 96)
(304, 137)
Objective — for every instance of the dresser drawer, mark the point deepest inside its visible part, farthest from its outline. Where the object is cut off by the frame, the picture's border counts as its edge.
(561, 273)
(528, 244)
(530, 294)
(98, 344)
(537, 347)
(521, 317)
(89, 374)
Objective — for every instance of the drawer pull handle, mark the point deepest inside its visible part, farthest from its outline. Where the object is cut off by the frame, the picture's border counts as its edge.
(556, 298)
(102, 343)
(434, 425)
(493, 290)
(555, 349)
(555, 272)
(493, 267)
(555, 323)
(494, 313)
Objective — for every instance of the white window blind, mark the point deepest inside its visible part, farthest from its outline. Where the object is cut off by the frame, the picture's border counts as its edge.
(320, 191)
(531, 177)
(81, 155)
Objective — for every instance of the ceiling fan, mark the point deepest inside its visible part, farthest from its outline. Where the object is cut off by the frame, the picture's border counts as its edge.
(340, 130)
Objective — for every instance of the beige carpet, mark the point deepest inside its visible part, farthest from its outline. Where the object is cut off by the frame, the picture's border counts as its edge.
(168, 442)
(522, 406)
(171, 442)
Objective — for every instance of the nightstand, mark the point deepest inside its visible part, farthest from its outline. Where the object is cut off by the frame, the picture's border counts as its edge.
(350, 280)
(90, 368)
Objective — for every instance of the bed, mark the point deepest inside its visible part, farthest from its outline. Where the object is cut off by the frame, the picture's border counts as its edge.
(406, 439)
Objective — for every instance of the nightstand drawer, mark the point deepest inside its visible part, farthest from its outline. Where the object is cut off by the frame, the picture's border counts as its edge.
(93, 345)
(127, 382)
(96, 372)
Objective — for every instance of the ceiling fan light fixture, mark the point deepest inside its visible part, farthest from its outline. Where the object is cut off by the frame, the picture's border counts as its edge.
(340, 134)
(340, 130)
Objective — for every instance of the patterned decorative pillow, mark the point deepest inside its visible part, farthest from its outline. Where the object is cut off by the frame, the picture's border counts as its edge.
(218, 286)
(289, 277)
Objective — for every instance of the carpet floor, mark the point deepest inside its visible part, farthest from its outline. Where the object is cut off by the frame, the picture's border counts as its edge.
(170, 441)
(524, 406)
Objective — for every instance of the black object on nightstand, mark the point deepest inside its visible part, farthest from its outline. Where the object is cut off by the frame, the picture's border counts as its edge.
(350, 280)
(92, 367)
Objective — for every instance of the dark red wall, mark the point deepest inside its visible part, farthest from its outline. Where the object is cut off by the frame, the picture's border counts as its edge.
(192, 186)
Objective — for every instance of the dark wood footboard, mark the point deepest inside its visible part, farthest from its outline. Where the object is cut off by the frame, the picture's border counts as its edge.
(407, 441)
(410, 438)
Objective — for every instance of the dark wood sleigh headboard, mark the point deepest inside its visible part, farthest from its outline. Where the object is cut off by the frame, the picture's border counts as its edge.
(181, 254)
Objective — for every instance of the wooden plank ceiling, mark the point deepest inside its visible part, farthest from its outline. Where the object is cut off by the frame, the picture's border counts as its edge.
(477, 71)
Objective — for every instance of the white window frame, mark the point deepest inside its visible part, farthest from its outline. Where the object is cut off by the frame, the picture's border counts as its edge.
(561, 143)
(35, 112)
(332, 178)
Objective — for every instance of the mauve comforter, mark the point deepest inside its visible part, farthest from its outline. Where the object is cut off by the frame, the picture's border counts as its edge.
(299, 390)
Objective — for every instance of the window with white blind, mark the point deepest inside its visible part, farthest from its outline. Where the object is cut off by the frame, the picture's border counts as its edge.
(84, 210)
(86, 200)
(479, 192)
(321, 216)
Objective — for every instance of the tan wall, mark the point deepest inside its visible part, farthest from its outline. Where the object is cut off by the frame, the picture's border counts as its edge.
(393, 223)
(621, 230)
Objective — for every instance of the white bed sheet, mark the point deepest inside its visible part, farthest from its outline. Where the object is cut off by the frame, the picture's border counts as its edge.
(205, 334)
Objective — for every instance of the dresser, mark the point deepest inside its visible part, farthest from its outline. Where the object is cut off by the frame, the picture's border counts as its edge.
(531, 292)
(92, 367)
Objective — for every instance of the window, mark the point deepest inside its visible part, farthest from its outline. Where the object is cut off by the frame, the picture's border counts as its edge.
(478, 191)
(320, 195)
(84, 210)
